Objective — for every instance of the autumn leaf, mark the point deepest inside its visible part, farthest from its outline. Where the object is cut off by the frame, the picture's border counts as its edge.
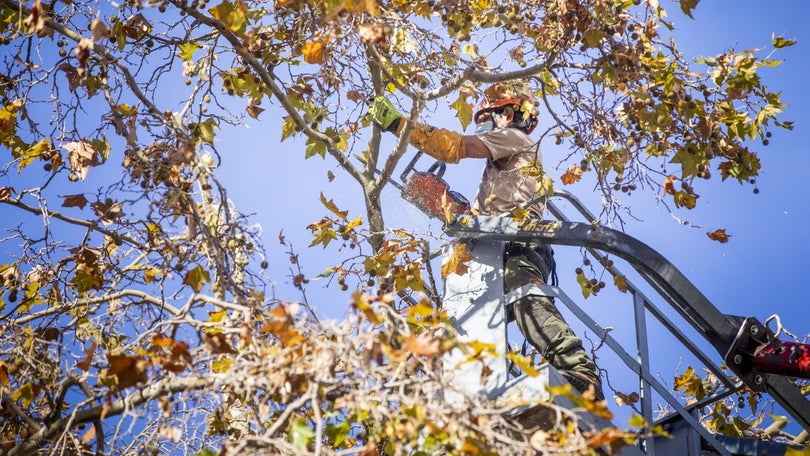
(75, 201)
(621, 283)
(333, 208)
(669, 185)
(780, 41)
(128, 370)
(159, 340)
(373, 33)
(574, 174)
(464, 111)
(719, 235)
(108, 211)
(691, 384)
(5, 193)
(231, 15)
(687, 6)
(89, 435)
(217, 343)
(313, 52)
(81, 156)
(88, 357)
(4, 379)
(35, 22)
(626, 399)
(456, 261)
(196, 278)
(423, 344)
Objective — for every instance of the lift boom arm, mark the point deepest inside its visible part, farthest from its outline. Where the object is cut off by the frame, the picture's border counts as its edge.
(750, 349)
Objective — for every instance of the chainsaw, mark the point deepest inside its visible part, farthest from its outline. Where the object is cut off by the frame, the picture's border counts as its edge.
(430, 193)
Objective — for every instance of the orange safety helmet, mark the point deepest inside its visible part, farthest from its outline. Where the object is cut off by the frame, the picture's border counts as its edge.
(504, 94)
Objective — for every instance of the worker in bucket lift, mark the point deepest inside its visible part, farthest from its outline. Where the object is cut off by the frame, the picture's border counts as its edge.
(504, 119)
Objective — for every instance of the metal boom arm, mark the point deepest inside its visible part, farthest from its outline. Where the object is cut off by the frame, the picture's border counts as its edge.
(720, 330)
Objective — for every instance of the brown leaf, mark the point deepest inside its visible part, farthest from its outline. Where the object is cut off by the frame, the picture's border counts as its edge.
(669, 185)
(626, 399)
(254, 111)
(456, 262)
(36, 19)
(5, 193)
(88, 358)
(99, 30)
(217, 343)
(719, 236)
(108, 211)
(89, 435)
(375, 33)
(75, 201)
(81, 157)
(4, 380)
(574, 174)
(621, 283)
(129, 370)
(354, 96)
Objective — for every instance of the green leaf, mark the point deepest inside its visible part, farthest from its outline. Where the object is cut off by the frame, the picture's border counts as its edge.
(689, 162)
(204, 130)
(687, 6)
(780, 41)
(338, 433)
(196, 278)
(25, 393)
(300, 435)
(315, 148)
(102, 147)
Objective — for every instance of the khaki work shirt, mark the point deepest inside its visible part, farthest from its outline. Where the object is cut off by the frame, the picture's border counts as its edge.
(503, 185)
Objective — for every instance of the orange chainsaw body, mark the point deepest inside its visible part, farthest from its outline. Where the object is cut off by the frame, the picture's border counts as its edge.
(430, 193)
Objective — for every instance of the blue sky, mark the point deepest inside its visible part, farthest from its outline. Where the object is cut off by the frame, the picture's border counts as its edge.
(760, 272)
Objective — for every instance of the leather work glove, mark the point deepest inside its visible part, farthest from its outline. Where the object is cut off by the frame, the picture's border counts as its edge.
(383, 113)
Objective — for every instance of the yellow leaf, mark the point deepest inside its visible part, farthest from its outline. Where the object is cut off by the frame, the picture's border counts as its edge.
(354, 224)
(221, 366)
(216, 317)
(621, 283)
(333, 208)
(456, 262)
(313, 52)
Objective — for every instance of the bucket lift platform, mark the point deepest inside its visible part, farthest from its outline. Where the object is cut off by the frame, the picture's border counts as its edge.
(748, 348)
(477, 306)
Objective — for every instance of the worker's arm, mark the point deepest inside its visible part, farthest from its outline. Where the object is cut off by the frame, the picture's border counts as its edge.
(444, 145)
(476, 148)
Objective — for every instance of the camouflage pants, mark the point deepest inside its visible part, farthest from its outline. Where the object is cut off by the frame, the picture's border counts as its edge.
(538, 318)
